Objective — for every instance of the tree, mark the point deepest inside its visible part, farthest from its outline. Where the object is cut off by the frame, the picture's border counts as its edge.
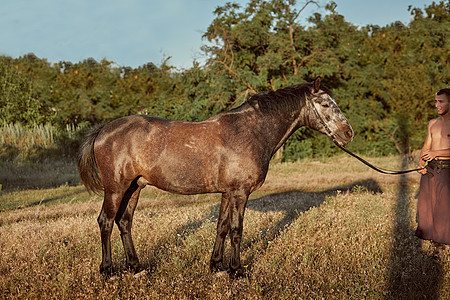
(18, 101)
(383, 78)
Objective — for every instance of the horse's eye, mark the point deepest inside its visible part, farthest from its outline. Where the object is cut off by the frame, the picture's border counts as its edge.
(325, 104)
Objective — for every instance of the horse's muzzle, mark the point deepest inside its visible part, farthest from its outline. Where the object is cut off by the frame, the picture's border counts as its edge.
(349, 135)
(344, 136)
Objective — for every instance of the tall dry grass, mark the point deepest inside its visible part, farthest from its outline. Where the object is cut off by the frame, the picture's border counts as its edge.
(22, 137)
(39, 156)
(18, 142)
(328, 229)
(23, 144)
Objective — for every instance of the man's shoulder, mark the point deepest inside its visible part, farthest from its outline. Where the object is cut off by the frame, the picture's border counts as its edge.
(434, 124)
(433, 121)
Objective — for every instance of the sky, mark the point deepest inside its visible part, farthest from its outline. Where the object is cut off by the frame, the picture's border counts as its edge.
(136, 32)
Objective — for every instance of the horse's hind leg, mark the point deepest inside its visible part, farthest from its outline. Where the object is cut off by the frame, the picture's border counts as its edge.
(124, 220)
(106, 221)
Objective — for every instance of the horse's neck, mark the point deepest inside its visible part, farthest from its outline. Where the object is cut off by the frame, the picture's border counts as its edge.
(273, 128)
(288, 131)
(288, 128)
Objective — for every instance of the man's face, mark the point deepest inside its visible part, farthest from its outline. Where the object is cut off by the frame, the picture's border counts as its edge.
(442, 104)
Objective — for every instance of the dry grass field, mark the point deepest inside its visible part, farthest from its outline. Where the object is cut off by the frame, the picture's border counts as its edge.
(317, 229)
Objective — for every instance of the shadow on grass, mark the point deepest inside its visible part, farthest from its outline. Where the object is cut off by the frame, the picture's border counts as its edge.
(292, 203)
(412, 273)
(56, 199)
(47, 174)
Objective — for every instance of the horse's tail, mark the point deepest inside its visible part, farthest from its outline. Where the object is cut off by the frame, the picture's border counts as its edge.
(87, 166)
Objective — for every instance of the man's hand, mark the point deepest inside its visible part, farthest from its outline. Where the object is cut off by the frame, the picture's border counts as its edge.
(429, 155)
(422, 170)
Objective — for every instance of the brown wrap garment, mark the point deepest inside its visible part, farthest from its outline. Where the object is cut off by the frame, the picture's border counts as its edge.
(434, 205)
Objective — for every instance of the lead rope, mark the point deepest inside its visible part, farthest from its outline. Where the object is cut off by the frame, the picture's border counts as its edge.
(381, 170)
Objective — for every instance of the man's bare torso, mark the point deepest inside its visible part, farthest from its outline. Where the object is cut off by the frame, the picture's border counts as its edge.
(440, 134)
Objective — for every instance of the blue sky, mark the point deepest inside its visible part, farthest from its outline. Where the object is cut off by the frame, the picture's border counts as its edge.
(135, 32)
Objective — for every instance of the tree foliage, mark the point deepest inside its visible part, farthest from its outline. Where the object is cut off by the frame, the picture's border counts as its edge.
(384, 78)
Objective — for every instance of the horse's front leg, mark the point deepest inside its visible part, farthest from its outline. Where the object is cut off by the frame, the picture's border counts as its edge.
(223, 227)
(237, 208)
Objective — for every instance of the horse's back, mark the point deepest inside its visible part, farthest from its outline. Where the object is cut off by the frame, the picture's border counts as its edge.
(180, 157)
(176, 156)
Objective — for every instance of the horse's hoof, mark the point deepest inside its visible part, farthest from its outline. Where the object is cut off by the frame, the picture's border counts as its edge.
(107, 271)
(216, 267)
(136, 268)
(237, 273)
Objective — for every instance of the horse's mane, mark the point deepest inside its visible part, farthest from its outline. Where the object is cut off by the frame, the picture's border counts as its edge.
(290, 98)
(286, 99)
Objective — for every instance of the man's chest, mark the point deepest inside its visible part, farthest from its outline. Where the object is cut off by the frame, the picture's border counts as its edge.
(441, 130)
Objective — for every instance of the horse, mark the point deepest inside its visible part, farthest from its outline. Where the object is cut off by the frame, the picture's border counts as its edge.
(228, 153)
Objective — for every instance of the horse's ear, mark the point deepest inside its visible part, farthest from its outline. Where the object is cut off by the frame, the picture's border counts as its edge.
(317, 84)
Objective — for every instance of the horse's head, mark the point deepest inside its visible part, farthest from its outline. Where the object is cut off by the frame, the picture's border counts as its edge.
(325, 115)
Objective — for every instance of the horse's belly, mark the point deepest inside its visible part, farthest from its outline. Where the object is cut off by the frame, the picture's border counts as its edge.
(198, 178)
(186, 184)
(185, 177)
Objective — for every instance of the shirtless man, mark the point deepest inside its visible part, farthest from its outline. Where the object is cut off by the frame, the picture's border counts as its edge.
(434, 198)
(437, 143)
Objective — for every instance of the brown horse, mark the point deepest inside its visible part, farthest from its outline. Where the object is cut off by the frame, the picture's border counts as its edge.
(228, 153)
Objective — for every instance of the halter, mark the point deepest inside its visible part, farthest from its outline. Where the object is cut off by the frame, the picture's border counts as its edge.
(332, 135)
(321, 121)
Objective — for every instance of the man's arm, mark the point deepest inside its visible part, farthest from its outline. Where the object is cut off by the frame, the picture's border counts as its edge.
(426, 147)
(432, 154)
